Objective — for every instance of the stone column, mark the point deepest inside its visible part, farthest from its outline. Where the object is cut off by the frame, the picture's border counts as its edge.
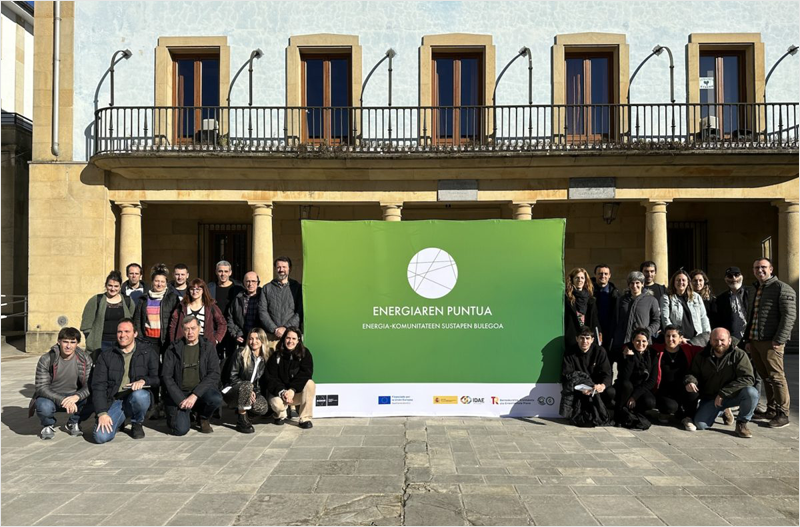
(262, 239)
(130, 234)
(788, 250)
(392, 211)
(522, 211)
(655, 242)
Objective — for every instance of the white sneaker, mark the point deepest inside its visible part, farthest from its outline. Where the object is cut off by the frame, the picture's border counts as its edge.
(688, 424)
(48, 432)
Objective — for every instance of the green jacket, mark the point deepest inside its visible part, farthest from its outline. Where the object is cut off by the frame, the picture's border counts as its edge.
(94, 317)
(777, 311)
(724, 377)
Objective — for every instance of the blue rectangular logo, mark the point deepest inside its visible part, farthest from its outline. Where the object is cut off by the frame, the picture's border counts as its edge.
(384, 399)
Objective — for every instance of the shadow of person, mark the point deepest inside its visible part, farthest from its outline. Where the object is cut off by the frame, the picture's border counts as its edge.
(28, 390)
(541, 401)
(17, 420)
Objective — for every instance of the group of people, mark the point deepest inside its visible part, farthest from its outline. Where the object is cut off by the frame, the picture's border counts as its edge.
(186, 348)
(180, 350)
(679, 351)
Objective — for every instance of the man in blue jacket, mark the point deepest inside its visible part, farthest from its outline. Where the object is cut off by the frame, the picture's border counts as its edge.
(120, 384)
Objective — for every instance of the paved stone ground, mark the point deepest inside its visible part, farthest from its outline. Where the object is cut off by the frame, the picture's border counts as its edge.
(395, 471)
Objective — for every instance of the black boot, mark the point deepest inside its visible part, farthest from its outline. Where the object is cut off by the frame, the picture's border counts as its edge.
(243, 424)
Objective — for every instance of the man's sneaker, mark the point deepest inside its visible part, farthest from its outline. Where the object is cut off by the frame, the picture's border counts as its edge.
(278, 421)
(48, 432)
(768, 415)
(742, 430)
(663, 418)
(306, 425)
(205, 426)
(727, 417)
(137, 432)
(244, 425)
(74, 429)
(779, 421)
(688, 424)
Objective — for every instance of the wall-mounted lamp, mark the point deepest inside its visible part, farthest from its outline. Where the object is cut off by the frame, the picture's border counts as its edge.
(309, 212)
(610, 210)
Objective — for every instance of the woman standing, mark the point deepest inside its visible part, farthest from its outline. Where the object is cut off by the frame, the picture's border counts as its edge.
(153, 312)
(102, 314)
(198, 302)
(702, 287)
(289, 372)
(682, 307)
(580, 308)
(247, 368)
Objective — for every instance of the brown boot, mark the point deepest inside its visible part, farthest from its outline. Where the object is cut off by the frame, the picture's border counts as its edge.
(205, 426)
(742, 430)
(727, 417)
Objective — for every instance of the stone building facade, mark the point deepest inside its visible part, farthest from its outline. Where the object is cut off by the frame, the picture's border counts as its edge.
(174, 172)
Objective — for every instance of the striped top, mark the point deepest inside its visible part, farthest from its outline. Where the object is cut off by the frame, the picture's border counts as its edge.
(200, 314)
(152, 327)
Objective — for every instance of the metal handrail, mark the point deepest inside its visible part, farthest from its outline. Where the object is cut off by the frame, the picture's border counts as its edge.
(24, 301)
(441, 129)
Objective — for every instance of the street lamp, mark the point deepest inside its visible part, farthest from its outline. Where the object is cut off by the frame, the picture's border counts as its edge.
(126, 54)
(524, 50)
(658, 50)
(255, 54)
(791, 51)
(390, 54)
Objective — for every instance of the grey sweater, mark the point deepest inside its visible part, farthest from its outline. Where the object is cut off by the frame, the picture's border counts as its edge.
(281, 305)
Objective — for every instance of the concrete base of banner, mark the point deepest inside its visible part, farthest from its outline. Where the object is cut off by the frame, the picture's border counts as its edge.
(444, 399)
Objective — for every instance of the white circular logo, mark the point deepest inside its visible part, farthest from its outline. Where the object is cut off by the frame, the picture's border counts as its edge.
(432, 273)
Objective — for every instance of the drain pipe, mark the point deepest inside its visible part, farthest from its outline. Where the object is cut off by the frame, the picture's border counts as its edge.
(56, 71)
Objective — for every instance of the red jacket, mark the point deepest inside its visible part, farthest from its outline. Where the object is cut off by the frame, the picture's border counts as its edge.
(688, 349)
(214, 328)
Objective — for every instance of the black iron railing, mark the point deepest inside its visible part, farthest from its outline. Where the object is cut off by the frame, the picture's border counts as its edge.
(383, 130)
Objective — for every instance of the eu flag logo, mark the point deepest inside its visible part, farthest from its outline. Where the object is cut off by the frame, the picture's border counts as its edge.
(384, 399)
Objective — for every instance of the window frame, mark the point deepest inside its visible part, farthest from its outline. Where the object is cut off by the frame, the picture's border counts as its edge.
(327, 108)
(587, 124)
(197, 58)
(457, 57)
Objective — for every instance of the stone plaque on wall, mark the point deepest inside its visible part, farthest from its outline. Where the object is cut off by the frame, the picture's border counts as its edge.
(457, 190)
(593, 188)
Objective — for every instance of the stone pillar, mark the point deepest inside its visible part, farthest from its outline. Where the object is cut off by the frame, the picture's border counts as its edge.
(655, 242)
(262, 239)
(788, 250)
(522, 211)
(392, 211)
(130, 234)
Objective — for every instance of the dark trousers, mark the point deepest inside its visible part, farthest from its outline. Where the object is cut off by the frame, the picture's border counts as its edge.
(179, 421)
(644, 402)
(672, 398)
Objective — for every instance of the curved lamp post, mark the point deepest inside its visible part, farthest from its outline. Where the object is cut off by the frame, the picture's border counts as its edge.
(126, 54)
(524, 50)
(255, 54)
(390, 54)
(658, 50)
(791, 51)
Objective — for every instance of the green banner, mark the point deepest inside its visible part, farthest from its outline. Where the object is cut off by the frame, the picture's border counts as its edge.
(434, 301)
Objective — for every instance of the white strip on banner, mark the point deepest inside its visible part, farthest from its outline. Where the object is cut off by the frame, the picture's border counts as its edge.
(487, 400)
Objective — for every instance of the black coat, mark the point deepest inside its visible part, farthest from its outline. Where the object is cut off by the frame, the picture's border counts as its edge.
(724, 314)
(285, 371)
(172, 369)
(110, 368)
(572, 325)
(234, 314)
(235, 289)
(641, 369)
(168, 304)
(594, 363)
(608, 322)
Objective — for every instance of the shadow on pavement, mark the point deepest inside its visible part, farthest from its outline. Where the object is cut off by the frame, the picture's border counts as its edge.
(17, 420)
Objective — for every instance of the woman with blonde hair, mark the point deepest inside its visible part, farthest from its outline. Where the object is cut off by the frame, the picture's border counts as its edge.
(247, 367)
(702, 287)
(684, 308)
(580, 308)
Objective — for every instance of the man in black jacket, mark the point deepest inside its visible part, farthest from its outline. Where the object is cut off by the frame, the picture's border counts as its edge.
(190, 375)
(588, 361)
(120, 383)
(242, 312)
(134, 287)
(607, 295)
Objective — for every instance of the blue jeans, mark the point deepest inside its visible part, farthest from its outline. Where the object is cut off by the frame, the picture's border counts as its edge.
(134, 405)
(746, 400)
(46, 410)
(179, 420)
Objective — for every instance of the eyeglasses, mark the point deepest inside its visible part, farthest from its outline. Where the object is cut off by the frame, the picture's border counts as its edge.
(195, 289)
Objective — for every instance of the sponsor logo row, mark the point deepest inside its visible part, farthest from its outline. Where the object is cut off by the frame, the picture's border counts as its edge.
(333, 400)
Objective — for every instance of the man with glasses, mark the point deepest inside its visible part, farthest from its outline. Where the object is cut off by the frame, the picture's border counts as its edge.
(242, 312)
(190, 375)
(769, 327)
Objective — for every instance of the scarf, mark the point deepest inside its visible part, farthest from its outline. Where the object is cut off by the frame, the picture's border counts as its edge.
(581, 300)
